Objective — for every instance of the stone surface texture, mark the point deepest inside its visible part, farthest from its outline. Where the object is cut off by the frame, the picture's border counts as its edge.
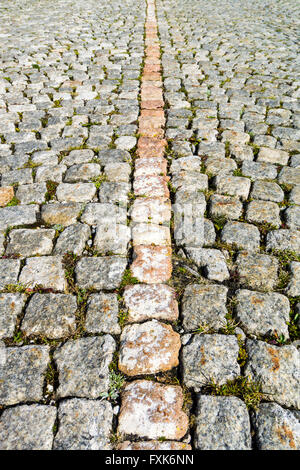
(149, 224)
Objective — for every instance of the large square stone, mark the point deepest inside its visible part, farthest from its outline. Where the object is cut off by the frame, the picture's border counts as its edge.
(23, 373)
(83, 366)
(210, 357)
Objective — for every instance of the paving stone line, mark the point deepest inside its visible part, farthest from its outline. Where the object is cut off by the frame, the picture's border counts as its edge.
(148, 409)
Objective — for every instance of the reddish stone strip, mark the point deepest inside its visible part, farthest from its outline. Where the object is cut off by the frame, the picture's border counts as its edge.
(151, 410)
(6, 195)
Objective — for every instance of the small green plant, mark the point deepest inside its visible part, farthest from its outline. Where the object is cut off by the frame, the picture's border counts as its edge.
(57, 104)
(229, 328)
(284, 257)
(99, 180)
(123, 315)
(294, 324)
(127, 279)
(69, 263)
(283, 279)
(265, 227)
(81, 295)
(219, 222)
(116, 382)
(18, 338)
(294, 330)
(187, 399)
(115, 438)
(242, 356)
(203, 329)
(286, 187)
(51, 374)
(58, 229)
(280, 339)
(238, 172)
(18, 287)
(172, 188)
(131, 196)
(31, 164)
(14, 202)
(28, 288)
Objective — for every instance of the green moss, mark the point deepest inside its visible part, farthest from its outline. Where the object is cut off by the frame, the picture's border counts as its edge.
(115, 438)
(123, 315)
(242, 387)
(293, 324)
(18, 287)
(284, 257)
(128, 279)
(99, 180)
(14, 202)
(242, 356)
(51, 190)
(57, 104)
(219, 223)
(238, 172)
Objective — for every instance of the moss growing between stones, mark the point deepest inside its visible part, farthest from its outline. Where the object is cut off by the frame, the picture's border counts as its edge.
(123, 315)
(294, 323)
(241, 387)
(99, 180)
(14, 202)
(284, 257)
(128, 279)
(242, 357)
(51, 190)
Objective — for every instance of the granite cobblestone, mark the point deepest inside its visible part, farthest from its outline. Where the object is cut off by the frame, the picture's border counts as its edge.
(149, 225)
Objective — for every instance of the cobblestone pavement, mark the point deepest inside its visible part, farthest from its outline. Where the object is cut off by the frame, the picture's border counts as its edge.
(149, 224)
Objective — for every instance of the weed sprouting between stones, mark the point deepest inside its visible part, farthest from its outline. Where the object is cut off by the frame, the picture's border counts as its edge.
(127, 279)
(116, 383)
(51, 190)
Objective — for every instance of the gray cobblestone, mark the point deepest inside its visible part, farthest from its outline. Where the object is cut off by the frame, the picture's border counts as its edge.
(22, 375)
(27, 427)
(72, 133)
(83, 366)
(84, 425)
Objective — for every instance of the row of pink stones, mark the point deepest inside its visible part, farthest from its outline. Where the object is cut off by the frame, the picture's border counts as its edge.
(151, 410)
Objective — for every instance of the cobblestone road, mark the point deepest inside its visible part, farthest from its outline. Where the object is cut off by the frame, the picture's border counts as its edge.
(149, 224)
